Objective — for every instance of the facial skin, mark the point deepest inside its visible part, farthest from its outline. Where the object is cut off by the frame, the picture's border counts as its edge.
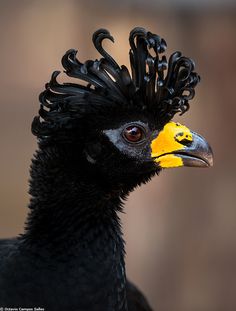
(174, 146)
(132, 151)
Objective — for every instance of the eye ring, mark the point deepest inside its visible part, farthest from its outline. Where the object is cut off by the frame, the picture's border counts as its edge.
(134, 134)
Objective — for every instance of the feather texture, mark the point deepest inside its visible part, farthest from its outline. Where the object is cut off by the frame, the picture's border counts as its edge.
(161, 87)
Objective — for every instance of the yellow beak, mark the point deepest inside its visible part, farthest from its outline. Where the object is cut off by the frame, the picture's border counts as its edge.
(177, 146)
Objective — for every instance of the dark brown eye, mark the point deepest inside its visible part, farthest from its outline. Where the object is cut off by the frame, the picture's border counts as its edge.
(133, 134)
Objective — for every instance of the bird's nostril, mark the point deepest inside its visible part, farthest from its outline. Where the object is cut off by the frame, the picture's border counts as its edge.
(184, 138)
(186, 142)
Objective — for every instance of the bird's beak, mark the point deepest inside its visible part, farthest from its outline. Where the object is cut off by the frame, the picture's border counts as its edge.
(177, 146)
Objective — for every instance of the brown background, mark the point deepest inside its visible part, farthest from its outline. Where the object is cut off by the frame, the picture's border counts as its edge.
(181, 227)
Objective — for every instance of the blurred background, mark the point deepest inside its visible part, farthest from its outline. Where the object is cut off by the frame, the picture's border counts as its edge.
(181, 227)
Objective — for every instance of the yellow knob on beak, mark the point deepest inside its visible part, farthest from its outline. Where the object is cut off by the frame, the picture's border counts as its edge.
(177, 146)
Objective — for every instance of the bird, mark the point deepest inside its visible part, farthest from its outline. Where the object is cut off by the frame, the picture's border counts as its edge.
(102, 134)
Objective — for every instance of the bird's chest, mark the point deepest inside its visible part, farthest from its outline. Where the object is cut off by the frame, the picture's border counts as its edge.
(92, 285)
(83, 281)
(96, 279)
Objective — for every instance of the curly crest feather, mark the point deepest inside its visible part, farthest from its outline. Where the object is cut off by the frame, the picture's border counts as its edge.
(162, 87)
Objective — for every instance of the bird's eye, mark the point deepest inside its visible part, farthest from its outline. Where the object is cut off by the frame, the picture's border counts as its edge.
(133, 134)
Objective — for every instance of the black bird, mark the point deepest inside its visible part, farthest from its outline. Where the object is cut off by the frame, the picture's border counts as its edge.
(97, 141)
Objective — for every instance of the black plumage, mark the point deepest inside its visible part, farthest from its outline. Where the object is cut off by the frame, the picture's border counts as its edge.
(71, 255)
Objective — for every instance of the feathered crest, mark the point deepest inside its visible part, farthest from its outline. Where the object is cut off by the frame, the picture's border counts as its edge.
(162, 87)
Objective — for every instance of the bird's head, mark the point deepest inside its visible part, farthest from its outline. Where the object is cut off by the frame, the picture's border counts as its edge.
(119, 125)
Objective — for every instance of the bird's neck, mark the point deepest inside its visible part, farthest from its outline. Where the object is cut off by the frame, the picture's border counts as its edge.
(72, 214)
(69, 202)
